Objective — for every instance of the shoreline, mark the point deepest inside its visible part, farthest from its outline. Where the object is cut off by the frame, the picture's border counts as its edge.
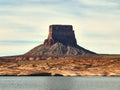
(62, 66)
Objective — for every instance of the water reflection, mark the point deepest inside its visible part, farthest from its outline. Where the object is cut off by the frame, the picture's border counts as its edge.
(59, 83)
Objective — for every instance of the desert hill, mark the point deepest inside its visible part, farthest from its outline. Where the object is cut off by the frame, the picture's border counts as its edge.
(60, 55)
(61, 41)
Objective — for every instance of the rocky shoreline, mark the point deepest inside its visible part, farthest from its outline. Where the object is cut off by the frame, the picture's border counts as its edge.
(62, 66)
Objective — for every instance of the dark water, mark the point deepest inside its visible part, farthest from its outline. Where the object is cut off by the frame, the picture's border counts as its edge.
(59, 83)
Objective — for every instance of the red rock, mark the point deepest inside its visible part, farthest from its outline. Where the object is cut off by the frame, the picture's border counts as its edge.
(61, 41)
(61, 33)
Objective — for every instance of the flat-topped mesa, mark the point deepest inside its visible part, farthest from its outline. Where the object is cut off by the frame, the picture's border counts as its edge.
(61, 33)
(60, 42)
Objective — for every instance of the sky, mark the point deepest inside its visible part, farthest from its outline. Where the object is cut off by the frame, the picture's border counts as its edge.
(24, 24)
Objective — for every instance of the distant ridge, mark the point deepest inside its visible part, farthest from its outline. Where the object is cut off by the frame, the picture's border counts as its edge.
(61, 41)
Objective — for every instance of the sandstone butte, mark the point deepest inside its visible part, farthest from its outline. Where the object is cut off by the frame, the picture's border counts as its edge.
(61, 41)
(60, 55)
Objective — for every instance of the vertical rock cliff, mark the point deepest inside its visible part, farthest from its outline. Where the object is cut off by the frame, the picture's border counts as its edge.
(61, 33)
(61, 41)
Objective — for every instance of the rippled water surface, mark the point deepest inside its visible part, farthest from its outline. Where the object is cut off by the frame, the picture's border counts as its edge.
(59, 83)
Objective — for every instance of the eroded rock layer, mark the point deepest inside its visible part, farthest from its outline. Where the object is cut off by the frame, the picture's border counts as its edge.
(61, 33)
(61, 41)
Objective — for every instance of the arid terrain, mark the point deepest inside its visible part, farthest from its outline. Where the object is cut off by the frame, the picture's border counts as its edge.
(60, 55)
(97, 65)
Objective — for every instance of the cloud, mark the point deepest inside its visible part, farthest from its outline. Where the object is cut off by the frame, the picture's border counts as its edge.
(15, 49)
(94, 22)
(106, 3)
(30, 2)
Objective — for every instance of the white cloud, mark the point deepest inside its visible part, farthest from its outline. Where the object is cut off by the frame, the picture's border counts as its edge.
(106, 3)
(15, 49)
(92, 26)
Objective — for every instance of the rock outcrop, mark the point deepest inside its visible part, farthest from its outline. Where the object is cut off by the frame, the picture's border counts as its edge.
(61, 33)
(95, 65)
(61, 41)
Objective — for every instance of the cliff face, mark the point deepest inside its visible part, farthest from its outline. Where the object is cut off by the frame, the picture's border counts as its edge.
(61, 41)
(61, 33)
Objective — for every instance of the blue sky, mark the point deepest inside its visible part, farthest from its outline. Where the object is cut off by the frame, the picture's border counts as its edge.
(24, 23)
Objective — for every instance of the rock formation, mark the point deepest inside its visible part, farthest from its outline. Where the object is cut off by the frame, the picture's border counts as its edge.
(61, 33)
(61, 41)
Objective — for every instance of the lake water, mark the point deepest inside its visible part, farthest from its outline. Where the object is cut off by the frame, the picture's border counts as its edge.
(59, 83)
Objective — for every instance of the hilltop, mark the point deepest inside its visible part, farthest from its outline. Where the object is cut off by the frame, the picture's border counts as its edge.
(61, 41)
(60, 55)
